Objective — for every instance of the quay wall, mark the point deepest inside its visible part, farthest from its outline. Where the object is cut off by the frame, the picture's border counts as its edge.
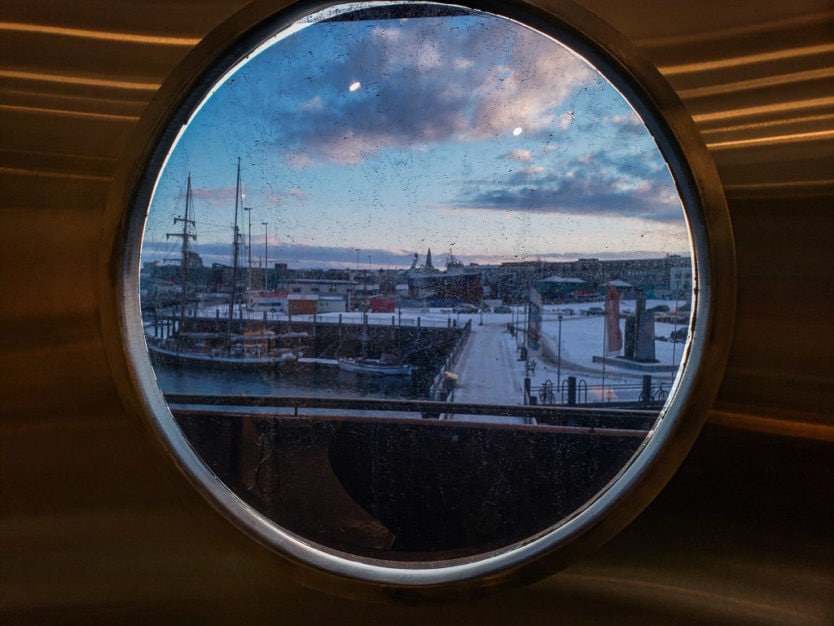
(427, 347)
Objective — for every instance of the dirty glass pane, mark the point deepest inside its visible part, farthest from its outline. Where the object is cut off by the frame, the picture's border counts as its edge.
(416, 281)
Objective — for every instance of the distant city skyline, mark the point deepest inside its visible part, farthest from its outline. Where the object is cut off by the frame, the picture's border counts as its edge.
(484, 138)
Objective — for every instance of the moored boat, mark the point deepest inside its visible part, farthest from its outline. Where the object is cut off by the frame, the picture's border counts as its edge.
(190, 345)
(382, 366)
(257, 349)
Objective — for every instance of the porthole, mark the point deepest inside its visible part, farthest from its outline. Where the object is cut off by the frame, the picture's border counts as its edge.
(451, 288)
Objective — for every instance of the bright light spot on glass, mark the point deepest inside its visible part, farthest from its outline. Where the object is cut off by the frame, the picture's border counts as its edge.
(355, 86)
(517, 130)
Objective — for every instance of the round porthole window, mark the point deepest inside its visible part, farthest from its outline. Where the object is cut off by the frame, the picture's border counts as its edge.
(422, 295)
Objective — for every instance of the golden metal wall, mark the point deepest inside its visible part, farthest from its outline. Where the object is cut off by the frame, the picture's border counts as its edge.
(96, 524)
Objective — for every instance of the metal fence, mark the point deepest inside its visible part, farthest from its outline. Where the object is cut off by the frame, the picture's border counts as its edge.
(572, 391)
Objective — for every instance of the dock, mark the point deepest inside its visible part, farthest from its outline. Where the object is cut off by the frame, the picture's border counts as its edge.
(488, 371)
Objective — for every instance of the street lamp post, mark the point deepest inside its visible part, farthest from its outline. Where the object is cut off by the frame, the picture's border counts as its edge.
(559, 357)
(368, 287)
(674, 330)
(266, 253)
(248, 209)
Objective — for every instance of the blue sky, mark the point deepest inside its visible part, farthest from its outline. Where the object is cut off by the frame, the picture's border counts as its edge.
(469, 133)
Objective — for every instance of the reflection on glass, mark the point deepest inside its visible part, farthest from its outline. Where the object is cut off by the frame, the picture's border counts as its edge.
(416, 281)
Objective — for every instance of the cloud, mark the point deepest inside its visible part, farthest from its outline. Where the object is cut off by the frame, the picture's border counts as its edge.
(280, 198)
(518, 155)
(512, 95)
(590, 190)
(461, 79)
(213, 194)
(313, 104)
(298, 161)
(295, 255)
(566, 119)
(627, 127)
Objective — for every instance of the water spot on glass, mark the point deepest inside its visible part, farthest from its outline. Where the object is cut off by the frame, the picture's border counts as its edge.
(424, 315)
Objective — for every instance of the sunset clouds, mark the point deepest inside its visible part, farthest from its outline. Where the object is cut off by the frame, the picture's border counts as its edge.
(397, 131)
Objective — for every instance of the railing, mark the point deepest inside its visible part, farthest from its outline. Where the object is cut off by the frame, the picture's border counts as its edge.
(350, 319)
(373, 319)
(604, 421)
(573, 392)
(443, 388)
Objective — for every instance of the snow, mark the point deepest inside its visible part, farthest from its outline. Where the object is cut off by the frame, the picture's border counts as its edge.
(489, 370)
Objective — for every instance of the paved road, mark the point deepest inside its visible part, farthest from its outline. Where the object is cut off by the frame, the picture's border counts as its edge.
(488, 372)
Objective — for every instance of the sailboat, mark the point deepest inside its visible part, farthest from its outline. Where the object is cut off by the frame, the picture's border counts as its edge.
(205, 344)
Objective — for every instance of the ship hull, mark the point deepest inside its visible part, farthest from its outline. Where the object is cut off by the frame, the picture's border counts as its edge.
(219, 361)
(375, 367)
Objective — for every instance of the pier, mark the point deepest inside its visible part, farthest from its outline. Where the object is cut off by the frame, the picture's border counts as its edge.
(429, 343)
(461, 358)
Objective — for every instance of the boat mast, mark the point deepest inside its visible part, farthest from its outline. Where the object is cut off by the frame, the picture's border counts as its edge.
(235, 255)
(187, 235)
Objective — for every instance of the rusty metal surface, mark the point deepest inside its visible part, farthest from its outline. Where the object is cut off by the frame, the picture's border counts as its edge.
(96, 524)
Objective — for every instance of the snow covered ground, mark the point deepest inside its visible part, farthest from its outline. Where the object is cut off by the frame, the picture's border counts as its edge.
(489, 370)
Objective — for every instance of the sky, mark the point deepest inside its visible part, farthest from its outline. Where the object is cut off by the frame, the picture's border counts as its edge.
(363, 142)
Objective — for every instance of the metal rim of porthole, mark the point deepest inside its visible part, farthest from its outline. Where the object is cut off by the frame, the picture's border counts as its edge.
(635, 486)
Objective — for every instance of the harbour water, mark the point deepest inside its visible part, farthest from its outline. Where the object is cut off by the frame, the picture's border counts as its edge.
(488, 369)
(318, 381)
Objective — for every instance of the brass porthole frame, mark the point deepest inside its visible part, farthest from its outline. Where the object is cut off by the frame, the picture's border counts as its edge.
(636, 485)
